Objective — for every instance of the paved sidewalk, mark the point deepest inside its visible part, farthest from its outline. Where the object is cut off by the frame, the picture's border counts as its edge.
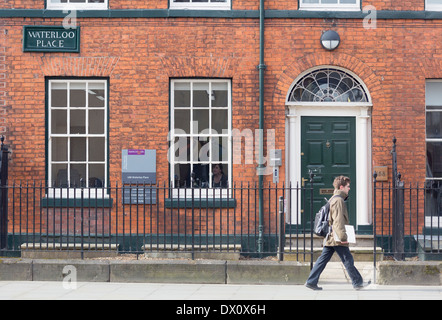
(54, 290)
(334, 280)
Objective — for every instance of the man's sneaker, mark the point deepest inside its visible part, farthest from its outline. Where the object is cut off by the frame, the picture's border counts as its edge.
(313, 287)
(362, 285)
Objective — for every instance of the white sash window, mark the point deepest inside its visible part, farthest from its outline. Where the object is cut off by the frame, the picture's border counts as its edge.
(200, 135)
(433, 5)
(77, 134)
(200, 4)
(332, 5)
(77, 4)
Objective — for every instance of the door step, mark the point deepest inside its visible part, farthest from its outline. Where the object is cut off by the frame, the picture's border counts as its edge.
(297, 240)
(359, 254)
(297, 247)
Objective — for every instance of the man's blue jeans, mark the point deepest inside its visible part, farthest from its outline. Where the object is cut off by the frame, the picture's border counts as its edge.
(346, 258)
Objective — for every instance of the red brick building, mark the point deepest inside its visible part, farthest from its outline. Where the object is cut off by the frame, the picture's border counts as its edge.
(145, 71)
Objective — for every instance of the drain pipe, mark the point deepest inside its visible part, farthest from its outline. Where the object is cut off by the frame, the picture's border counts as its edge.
(261, 68)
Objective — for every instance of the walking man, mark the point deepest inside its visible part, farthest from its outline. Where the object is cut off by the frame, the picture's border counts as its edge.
(337, 220)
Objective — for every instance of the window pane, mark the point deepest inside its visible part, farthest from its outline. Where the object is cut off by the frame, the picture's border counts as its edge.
(202, 149)
(201, 178)
(329, 1)
(78, 172)
(433, 94)
(182, 120)
(434, 159)
(219, 95)
(59, 121)
(310, 1)
(59, 149)
(96, 175)
(78, 95)
(78, 122)
(434, 1)
(348, 1)
(182, 175)
(434, 124)
(201, 95)
(220, 181)
(96, 149)
(59, 95)
(201, 117)
(220, 149)
(78, 149)
(433, 198)
(96, 121)
(96, 95)
(182, 95)
(59, 175)
(219, 120)
(181, 148)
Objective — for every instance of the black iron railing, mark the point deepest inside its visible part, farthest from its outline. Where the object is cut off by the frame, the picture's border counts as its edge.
(408, 219)
(155, 219)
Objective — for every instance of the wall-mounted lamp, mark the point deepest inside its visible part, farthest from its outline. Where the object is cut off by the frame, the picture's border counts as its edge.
(330, 40)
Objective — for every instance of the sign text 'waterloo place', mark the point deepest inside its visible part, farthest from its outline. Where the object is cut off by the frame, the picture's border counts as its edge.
(51, 39)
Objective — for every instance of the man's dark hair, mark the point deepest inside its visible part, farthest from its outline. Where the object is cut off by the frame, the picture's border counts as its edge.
(341, 181)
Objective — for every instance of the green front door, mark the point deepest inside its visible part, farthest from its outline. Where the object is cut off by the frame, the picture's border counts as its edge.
(328, 149)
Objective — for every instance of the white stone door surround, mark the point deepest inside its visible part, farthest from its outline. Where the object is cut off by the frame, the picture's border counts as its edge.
(362, 112)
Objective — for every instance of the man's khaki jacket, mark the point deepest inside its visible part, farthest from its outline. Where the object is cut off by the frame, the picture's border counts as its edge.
(338, 219)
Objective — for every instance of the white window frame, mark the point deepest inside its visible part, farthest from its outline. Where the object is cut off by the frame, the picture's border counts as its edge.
(227, 133)
(71, 192)
(200, 6)
(76, 6)
(330, 7)
(433, 7)
(432, 221)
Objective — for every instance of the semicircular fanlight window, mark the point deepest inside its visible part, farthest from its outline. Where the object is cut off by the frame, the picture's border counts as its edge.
(328, 85)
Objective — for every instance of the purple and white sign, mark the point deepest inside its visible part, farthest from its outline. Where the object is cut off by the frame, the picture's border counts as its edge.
(136, 152)
(138, 173)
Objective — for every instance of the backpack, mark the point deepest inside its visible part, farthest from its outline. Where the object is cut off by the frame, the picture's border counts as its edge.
(321, 227)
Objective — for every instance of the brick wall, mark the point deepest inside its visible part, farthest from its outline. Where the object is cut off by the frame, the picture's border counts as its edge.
(140, 56)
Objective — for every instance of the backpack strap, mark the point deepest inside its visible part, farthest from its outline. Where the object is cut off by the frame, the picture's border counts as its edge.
(329, 215)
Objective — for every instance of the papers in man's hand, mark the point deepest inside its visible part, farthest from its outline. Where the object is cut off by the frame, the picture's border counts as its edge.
(351, 236)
